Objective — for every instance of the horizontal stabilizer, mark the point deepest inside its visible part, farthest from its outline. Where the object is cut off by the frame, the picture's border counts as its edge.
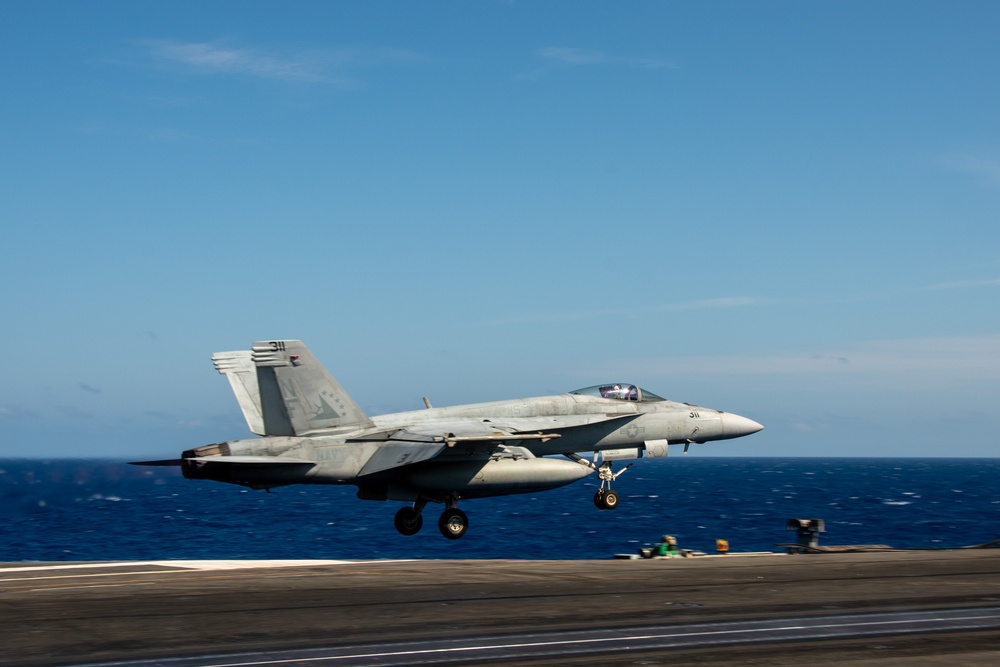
(258, 460)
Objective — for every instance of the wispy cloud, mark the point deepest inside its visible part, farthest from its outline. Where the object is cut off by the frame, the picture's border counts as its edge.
(986, 170)
(90, 389)
(573, 56)
(937, 360)
(73, 412)
(305, 66)
(18, 413)
(169, 135)
(208, 58)
(554, 58)
(963, 284)
(604, 313)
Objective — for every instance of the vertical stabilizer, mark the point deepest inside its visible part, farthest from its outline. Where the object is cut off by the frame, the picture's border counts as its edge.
(239, 369)
(272, 406)
(310, 399)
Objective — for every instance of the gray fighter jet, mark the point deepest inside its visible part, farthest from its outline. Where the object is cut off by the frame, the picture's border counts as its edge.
(314, 433)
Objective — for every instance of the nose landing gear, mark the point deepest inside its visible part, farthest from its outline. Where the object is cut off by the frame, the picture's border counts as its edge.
(605, 498)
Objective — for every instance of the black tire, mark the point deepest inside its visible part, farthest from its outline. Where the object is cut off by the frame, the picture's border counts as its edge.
(408, 521)
(599, 500)
(453, 523)
(610, 500)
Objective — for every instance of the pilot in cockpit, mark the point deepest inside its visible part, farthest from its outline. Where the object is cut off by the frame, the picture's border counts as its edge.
(626, 392)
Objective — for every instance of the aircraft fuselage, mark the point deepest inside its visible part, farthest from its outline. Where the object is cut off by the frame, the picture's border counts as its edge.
(314, 433)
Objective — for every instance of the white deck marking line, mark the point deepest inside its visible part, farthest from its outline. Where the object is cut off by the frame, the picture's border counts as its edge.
(592, 640)
(69, 588)
(175, 570)
(96, 574)
(190, 564)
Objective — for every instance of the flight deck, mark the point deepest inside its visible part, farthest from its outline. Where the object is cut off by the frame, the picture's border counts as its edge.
(898, 607)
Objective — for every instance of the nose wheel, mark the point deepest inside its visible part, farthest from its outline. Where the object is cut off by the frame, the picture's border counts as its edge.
(606, 499)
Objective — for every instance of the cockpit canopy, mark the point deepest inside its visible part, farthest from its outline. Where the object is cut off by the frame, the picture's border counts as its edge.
(619, 391)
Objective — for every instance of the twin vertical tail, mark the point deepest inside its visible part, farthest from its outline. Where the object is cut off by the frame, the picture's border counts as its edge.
(242, 375)
(284, 390)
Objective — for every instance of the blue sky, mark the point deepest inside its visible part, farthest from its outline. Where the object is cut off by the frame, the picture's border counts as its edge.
(787, 210)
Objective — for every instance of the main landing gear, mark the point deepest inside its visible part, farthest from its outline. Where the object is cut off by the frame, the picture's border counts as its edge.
(453, 522)
(408, 521)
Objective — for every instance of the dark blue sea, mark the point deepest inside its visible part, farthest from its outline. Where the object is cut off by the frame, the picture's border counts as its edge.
(74, 510)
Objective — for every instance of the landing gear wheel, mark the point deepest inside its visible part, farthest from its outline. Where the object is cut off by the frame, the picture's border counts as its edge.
(599, 499)
(453, 523)
(610, 500)
(606, 500)
(408, 521)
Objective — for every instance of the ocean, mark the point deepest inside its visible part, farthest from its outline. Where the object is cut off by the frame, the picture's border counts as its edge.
(91, 510)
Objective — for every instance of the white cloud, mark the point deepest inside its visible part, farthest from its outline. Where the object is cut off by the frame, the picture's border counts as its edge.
(985, 169)
(962, 284)
(575, 316)
(907, 362)
(315, 66)
(573, 56)
(16, 412)
(215, 59)
(169, 135)
(570, 56)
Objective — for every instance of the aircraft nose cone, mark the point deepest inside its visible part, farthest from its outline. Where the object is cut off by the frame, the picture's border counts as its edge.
(734, 426)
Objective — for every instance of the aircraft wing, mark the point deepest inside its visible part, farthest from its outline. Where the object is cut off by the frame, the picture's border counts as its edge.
(529, 424)
(486, 430)
(416, 443)
(421, 442)
(506, 428)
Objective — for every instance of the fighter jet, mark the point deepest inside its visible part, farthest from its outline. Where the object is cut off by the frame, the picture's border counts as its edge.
(314, 433)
